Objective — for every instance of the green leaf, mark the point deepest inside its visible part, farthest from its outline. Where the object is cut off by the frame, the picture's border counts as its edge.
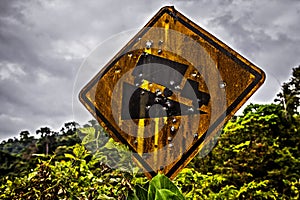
(78, 151)
(90, 134)
(241, 146)
(67, 155)
(87, 130)
(110, 144)
(31, 175)
(140, 192)
(132, 196)
(165, 194)
(105, 197)
(161, 187)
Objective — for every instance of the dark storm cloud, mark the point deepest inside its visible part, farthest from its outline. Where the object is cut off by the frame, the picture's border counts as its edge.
(35, 76)
(265, 32)
(43, 43)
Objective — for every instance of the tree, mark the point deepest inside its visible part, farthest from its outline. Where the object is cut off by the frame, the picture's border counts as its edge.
(25, 137)
(47, 138)
(289, 97)
(257, 155)
(258, 151)
(69, 128)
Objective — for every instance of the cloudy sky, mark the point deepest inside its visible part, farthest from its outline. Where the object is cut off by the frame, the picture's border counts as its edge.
(44, 43)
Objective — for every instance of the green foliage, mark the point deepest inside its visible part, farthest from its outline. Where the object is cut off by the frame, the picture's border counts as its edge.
(68, 178)
(289, 97)
(256, 157)
(160, 188)
(195, 185)
(105, 149)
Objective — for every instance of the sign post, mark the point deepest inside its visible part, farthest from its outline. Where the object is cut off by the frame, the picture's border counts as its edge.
(168, 91)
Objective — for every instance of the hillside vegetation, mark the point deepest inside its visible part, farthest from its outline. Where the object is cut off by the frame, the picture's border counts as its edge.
(257, 156)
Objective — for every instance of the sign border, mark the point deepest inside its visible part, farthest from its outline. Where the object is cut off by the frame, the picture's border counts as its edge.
(213, 41)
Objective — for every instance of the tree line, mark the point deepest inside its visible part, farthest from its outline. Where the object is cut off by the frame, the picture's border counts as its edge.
(257, 156)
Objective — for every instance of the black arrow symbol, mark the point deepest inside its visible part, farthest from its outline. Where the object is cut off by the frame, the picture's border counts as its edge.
(137, 103)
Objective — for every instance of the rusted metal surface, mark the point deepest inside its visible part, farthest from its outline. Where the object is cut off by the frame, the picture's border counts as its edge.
(169, 90)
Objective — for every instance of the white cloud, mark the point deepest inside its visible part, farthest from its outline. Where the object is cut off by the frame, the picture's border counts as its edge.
(10, 71)
(70, 49)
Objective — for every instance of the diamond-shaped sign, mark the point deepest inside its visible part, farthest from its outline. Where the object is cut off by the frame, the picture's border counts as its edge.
(169, 90)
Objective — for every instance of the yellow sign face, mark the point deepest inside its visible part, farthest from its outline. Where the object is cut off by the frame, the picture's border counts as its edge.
(168, 91)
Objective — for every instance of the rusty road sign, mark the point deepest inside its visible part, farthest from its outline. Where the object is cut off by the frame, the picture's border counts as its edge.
(168, 91)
